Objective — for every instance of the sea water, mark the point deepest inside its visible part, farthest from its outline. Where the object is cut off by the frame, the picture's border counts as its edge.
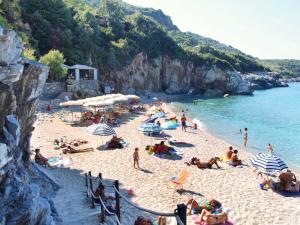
(271, 116)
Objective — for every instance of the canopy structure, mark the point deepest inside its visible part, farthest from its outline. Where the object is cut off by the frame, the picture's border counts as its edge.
(99, 103)
(96, 101)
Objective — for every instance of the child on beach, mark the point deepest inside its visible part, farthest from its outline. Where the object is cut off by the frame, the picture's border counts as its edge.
(136, 158)
(183, 123)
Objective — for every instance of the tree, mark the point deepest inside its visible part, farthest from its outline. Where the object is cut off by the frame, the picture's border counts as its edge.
(54, 59)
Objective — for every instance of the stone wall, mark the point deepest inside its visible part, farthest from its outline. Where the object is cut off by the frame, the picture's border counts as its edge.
(21, 84)
(90, 87)
(53, 89)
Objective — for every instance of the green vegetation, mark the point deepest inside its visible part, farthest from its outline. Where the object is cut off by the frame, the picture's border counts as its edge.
(109, 33)
(288, 67)
(54, 59)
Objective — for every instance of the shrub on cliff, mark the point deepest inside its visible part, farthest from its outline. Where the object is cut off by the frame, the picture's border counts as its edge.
(54, 59)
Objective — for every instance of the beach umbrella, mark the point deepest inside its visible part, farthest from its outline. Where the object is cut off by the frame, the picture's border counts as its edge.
(158, 115)
(150, 120)
(99, 103)
(150, 128)
(268, 162)
(170, 125)
(135, 97)
(101, 129)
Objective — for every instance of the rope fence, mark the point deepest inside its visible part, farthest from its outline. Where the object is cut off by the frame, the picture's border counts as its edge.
(179, 213)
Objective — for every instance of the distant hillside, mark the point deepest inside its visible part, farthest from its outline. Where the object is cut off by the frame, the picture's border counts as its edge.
(288, 67)
(110, 33)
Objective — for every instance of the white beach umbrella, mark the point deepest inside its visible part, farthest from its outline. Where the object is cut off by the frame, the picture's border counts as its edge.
(120, 100)
(99, 103)
(133, 97)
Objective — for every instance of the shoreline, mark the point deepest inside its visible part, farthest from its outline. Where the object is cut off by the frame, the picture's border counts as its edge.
(251, 151)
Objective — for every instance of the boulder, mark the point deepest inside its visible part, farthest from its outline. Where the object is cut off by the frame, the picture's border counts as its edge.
(11, 47)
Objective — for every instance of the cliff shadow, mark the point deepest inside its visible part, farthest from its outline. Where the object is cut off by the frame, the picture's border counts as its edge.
(73, 204)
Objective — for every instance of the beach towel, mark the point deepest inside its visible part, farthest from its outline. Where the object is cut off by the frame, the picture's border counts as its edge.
(196, 221)
(57, 161)
(172, 154)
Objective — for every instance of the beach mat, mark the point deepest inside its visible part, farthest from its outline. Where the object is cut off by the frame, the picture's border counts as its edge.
(173, 154)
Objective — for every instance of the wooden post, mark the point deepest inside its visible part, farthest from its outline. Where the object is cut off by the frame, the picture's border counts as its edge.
(86, 184)
(91, 187)
(181, 212)
(118, 211)
(102, 196)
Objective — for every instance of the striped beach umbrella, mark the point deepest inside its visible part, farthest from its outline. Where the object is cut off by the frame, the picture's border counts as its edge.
(268, 162)
(101, 129)
(170, 125)
(150, 128)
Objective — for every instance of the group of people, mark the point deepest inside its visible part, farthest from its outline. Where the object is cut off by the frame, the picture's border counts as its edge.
(115, 142)
(287, 181)
(210, 211)
(232, 156)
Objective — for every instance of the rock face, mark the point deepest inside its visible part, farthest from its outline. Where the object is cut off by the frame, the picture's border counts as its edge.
(21, 83)
(175, 77)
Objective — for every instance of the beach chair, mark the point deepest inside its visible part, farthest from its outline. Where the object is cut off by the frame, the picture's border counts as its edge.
(178, 183)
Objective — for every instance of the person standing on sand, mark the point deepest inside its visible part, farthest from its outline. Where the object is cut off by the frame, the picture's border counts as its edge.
(183, 123)
(270, 148)
(245, 136)
(136, 158)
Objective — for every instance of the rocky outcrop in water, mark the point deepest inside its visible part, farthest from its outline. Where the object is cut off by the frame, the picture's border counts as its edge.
(175, 77)
(261, 81)
(21, 83)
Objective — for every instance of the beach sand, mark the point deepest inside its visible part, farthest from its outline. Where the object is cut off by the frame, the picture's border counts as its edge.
(236, 188)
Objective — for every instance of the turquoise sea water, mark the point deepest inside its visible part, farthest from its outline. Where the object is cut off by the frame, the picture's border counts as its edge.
(271, 116)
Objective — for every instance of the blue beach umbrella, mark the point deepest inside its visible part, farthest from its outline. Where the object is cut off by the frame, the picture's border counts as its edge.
(158, 115)
(150, 128)
(268, 162)
(170, 125)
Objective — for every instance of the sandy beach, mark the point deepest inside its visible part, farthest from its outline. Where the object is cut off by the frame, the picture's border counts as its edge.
(237, 188)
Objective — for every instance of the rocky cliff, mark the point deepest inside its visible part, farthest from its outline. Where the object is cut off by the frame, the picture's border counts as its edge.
(175, 77)
(21, 83)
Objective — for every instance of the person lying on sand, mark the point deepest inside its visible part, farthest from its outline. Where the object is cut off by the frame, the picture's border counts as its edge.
(71, 150)
(234, 160)
(204, 165)
(210, 205)
(172, 119)
(208, 217)
(41, 160)
(142, 221)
